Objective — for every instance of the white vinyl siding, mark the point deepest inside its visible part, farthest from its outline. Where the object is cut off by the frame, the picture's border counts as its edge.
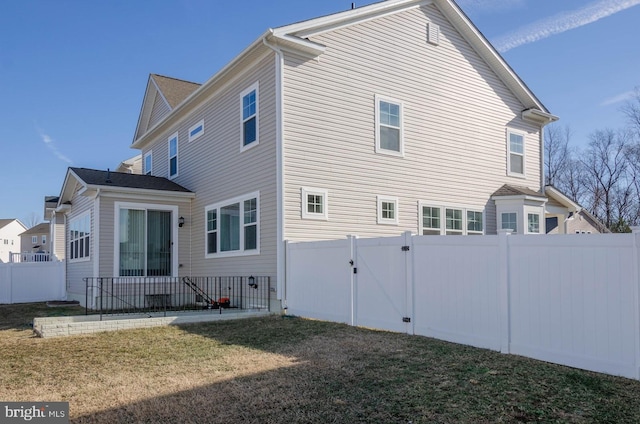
(454, 115)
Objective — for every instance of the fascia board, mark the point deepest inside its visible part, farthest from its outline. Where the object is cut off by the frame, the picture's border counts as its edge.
(105, 190)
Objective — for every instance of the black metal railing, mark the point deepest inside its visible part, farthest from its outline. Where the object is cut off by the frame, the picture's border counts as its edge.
(134, 295)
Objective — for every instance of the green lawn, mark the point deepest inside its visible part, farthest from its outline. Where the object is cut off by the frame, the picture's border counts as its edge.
(290, 370)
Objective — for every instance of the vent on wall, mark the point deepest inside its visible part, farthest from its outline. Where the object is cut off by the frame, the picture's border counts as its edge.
(433, 34)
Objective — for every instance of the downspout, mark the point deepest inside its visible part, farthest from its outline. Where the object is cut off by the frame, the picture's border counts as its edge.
(280, 220)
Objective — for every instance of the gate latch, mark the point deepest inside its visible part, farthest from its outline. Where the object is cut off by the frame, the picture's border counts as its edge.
(406, 319)
(405, 248)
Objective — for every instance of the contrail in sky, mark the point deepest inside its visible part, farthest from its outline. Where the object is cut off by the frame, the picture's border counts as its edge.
(561, 22)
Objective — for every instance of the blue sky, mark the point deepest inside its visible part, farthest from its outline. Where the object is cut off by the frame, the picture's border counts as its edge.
(73, 72)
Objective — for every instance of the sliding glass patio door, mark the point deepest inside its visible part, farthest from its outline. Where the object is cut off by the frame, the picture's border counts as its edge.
(145, 243)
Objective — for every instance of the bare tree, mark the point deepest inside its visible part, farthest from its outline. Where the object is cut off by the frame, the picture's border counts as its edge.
(557, 155)
(632, 110)
(32, 220)
(608, 183)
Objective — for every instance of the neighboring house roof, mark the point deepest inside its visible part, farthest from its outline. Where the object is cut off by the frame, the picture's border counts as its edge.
(42, 228)
(174, 90)
(5, 222)
(131, 166)
(511, 190)
(295, 38)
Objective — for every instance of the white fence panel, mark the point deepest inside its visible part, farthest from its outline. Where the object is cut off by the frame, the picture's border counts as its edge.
(381, 283)
(32, 282)
(456, 289)
(573, 301)
(320, 282)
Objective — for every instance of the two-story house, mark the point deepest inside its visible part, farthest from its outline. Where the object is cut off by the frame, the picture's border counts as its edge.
(397, 116)
(10, 230)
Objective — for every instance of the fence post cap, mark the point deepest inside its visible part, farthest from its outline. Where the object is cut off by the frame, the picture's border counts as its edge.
(635, 229)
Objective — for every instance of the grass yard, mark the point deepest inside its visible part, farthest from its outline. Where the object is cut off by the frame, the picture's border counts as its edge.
(289, 370)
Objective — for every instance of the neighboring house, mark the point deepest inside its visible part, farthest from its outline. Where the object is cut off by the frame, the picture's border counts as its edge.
(36, 239)
(10, 230)
(565, 216)
(131, 166)
(56, 227)
(397, 116)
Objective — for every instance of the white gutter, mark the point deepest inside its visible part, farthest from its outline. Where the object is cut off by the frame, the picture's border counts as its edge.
(280, 249)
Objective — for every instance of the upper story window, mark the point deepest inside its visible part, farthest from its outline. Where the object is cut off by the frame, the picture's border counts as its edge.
(232, 227)
(389, 133)
(44, 239)
(34, 239)
(387, 210)
(173, 156)
(79, 237)
(249, 115)
(515, 146)
(147, 164)
(314, 203)
(196, 131)
(509, 221)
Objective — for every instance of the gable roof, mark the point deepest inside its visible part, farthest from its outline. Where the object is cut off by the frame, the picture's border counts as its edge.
(37, 229)
(174, 90)
(511, 190)
(93, 181)
(5, 222)
(294, 38)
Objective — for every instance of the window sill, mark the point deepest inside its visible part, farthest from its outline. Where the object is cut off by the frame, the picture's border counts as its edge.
(232, 254)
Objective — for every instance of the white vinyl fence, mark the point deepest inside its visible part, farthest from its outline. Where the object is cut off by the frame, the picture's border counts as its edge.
(567, 299)
(32, 282)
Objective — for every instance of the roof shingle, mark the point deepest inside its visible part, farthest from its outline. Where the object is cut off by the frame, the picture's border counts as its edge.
(125, 180)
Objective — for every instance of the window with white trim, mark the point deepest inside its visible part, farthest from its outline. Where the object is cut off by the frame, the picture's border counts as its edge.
(147, 163)
(249, 117)
(173, 156)
(44, 239)
(387, 210)
(314, 203)
(515, 146)
(474, 222)
(232, 227)
(80, 237)
(431, 221)
(196, 131)
(389, 133)
(453, 221)
(509, 221)
(533, 223)
(34, 239)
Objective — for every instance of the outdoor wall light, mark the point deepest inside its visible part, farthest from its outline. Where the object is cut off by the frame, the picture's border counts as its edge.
(252, 282)
(181, 221)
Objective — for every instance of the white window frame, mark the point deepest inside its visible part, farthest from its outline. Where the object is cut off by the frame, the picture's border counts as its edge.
(243, 94)
(313, 191)
(523, 154)
(529, 215)
(388, 199)
(71, 239)
(442, 230)
(44, 239)
(199, 134)
(34, 240)
(463, 221)
(146, 206)
(501, 226)
(149, 156)
(378, 124)
(241, 251)
(169, 140)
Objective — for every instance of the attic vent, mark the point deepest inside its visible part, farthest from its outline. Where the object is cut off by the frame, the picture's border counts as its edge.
(433, 34)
